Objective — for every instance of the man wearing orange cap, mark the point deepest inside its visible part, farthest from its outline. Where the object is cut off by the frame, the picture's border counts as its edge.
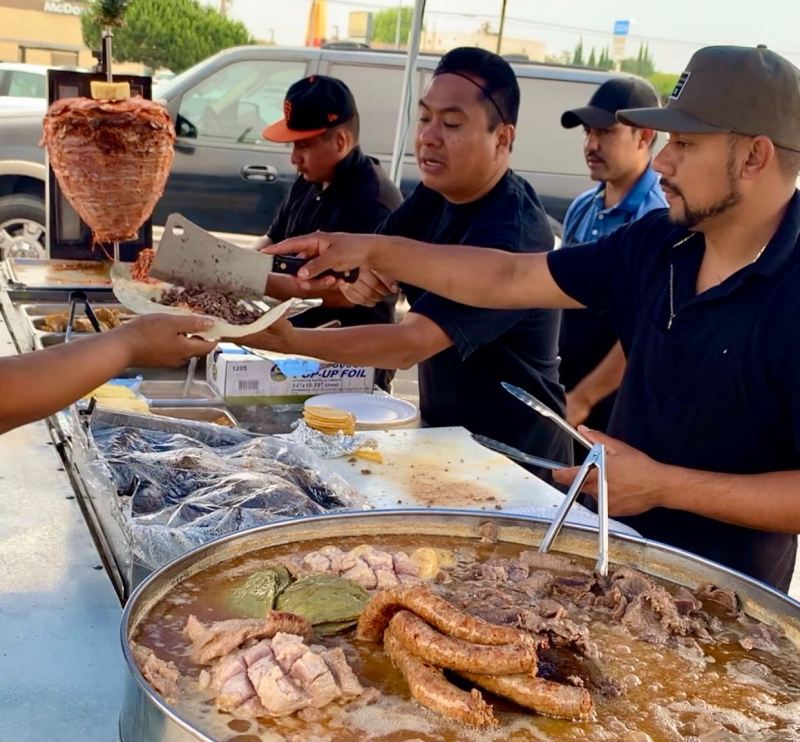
(338, 189)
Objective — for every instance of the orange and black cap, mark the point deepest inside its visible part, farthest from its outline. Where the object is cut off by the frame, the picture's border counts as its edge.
(311, 107)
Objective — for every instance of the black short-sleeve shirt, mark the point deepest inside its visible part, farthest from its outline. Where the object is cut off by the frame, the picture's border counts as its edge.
(461, 385)
(359, 197)
(713, 379)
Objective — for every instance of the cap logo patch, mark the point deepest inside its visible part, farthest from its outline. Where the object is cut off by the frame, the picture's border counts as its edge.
(287, 109)
(333, 116)
(679, 86)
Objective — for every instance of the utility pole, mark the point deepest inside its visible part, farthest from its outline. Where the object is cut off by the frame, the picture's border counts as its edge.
(224, 7)
(502, 24)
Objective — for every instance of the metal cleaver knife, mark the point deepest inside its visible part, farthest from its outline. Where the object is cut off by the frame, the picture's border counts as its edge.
(187, 254)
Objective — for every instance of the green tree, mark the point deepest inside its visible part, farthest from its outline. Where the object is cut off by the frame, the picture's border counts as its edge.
(564, 57)
(592, 59)
(664, 83)
(384, 25)
(642, 64)
(109, 12)
(168, 33)
(577, 55)
(604, 62)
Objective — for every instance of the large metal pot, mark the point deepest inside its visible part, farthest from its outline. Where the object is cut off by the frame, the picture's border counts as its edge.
(145, 717)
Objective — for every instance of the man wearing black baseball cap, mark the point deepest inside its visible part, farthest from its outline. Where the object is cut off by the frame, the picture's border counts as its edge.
(619, 158)
(468, 194)
(338, 188)
(705, 453)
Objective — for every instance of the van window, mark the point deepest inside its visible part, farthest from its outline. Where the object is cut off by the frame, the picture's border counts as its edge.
(234, 104)
(542, 145)
(377, 92)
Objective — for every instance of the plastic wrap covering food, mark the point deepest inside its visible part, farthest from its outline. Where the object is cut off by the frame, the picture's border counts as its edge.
(181, 485)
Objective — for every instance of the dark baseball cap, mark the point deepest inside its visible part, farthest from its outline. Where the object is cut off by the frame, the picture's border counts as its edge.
(616, 93)
(739, 89)
(311, 107)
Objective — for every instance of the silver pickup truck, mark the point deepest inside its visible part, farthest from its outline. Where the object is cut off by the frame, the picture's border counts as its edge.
(229, 180)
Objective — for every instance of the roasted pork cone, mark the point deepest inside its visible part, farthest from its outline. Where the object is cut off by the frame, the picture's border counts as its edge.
(111, 159)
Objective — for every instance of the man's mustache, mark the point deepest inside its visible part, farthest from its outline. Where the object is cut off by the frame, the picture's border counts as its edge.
(670, 186)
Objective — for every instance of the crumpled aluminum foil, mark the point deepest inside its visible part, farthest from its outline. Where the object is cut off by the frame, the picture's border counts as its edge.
(329, 446)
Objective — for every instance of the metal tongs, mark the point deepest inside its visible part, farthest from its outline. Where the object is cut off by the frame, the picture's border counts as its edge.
(75, 298)
(596, 459)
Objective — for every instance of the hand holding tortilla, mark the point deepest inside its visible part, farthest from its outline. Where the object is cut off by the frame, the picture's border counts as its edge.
(28, 379)
(194, 272)
(146, 298)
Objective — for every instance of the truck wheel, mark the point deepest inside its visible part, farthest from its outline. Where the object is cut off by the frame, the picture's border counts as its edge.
(22, 226)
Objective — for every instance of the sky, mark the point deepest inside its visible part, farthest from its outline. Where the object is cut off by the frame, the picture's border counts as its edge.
(673, 29)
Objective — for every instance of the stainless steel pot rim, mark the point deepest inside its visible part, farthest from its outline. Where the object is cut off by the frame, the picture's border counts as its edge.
(479, 516)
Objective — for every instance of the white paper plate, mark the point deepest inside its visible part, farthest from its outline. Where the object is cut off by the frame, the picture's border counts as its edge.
(372, 411)
(141, 298)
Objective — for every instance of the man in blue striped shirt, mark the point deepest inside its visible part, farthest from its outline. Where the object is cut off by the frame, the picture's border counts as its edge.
(619, 158)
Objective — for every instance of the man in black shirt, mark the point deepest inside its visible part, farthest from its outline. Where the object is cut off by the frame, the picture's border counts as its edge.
(468, 194)
(704, 296)
(338, 189)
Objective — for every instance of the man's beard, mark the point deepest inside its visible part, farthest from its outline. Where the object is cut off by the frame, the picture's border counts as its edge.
(693, 216)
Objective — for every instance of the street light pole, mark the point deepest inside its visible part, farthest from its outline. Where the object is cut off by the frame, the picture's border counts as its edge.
(502, 25)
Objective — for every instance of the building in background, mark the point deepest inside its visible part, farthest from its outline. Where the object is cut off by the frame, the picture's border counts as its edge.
(439, 42)
(44, 32)
(48, 32)
(360, 28)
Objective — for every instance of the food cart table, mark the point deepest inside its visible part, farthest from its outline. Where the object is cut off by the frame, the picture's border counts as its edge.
(61, 669)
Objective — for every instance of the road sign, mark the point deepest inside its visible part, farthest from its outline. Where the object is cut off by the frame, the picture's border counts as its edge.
(621, 28)
(618, 48)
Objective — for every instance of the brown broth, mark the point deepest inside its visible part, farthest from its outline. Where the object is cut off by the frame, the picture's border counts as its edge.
(668, 694)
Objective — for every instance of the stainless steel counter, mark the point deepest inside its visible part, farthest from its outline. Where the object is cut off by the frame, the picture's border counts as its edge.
(61, 668)
(61, 672)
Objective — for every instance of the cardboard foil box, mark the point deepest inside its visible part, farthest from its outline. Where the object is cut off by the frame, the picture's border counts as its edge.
(236, 374)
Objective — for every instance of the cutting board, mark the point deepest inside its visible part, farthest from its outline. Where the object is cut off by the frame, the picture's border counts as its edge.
(442, 467)
(446, 468)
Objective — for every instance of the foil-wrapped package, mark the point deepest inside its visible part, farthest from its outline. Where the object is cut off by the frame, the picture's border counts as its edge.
(330, 446)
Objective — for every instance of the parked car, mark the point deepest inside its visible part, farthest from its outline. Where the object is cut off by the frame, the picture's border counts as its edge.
(228, 179)
(23, 87)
